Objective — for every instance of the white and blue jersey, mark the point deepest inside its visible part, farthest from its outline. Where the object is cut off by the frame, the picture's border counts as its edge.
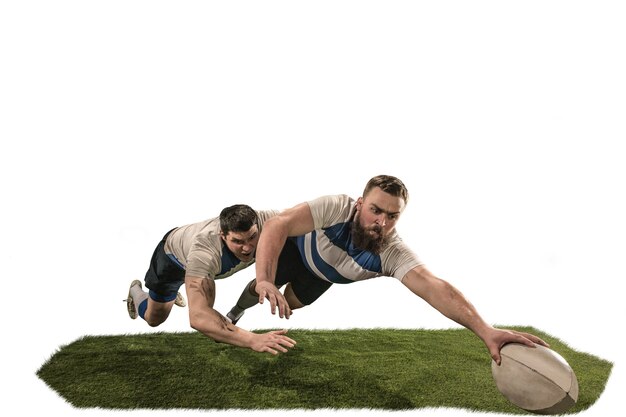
(328, 251)
(200, 251)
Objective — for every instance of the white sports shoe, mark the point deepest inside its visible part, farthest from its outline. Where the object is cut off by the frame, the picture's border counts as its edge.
(130, 303)
(180, 300)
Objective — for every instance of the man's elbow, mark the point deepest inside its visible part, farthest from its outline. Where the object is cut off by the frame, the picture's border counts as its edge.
(207, 326)
(198, 321)
(195, 322)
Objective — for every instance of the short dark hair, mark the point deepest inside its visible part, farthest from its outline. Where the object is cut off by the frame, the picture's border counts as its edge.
(390, 185)
(238, 218)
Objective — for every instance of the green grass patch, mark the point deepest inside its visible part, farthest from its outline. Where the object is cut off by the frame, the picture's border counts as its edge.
(388, 369)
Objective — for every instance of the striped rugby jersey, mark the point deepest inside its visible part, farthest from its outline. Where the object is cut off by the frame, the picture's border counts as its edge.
(328, 251)
(199, 249)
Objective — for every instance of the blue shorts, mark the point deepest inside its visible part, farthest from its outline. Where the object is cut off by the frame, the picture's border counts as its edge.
(165, 275)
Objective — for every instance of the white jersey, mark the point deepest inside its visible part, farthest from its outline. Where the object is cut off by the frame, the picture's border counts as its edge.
(201, 252)
(328, 251)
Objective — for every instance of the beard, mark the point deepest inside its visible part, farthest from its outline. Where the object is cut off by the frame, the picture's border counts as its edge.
(364, 240)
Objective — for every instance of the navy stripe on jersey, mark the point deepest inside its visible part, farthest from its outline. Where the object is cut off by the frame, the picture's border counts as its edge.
(340, 236)
(328, 271)
(229, 260)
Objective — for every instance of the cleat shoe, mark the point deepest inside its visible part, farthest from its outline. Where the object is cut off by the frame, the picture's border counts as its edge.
(130, 303)
(234, 318)
(180, 300)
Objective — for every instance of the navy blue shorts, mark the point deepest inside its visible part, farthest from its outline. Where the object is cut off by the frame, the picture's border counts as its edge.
(165, 276)
(306, 286)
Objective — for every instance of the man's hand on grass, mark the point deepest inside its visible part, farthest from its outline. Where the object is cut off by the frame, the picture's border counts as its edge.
(272, 342)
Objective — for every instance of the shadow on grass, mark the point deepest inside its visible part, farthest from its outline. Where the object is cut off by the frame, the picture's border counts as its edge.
(291, 382)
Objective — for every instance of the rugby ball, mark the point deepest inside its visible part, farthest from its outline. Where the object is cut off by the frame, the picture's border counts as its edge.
(536, 379)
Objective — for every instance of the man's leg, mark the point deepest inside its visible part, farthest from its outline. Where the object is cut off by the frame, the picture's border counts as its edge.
(248, 298)
(164, 277)
(151, 307)
(291, 297)
(157, 312)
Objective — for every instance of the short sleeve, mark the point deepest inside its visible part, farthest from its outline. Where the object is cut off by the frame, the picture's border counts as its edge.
(399, 260)
(203, 260)
(329, 210)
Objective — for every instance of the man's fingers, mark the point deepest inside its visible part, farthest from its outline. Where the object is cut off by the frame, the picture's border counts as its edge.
(535, 339)
(285, 341)
(501, 337)
(279, 345)
(526, 341)
(270, 350)
(272, 299)
(281, 339)
(281, 334)
(285, 310)
(495, 355)
(281, 348)
(276, 299)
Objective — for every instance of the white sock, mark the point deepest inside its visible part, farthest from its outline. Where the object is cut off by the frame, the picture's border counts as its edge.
(138, 295)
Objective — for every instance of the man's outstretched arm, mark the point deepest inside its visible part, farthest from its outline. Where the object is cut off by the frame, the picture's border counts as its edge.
(203, 318)
(451, 303)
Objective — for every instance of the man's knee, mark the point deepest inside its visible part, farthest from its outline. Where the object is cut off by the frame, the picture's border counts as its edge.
(157, 313)
(154, 321)
(252, 288)
(292, 299)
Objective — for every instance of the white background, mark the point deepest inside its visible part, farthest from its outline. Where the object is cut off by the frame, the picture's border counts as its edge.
(122, 119)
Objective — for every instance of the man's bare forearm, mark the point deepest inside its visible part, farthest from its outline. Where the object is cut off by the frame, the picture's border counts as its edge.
(270, 245)
(217, 327)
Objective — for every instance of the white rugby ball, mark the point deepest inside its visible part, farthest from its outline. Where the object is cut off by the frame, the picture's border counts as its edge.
(536, 379)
